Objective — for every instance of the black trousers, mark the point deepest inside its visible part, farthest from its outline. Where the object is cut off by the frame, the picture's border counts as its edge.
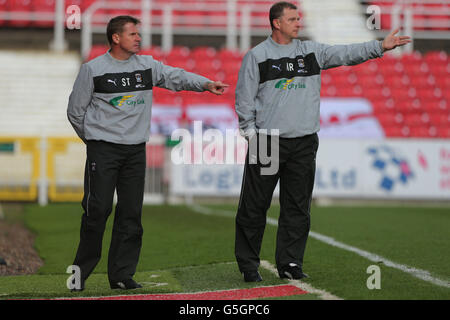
(296, 172)
(112, 167)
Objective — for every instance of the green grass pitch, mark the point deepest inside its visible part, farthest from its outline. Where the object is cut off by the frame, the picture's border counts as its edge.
(186, 251)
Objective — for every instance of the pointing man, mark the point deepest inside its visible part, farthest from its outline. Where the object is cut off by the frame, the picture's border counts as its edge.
(110, 108)
(279, 89)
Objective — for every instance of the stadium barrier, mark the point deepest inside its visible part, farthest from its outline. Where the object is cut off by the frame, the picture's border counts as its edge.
(20, 159)
(355, 168)
(43, 169)
(52, 169)
(65, 168)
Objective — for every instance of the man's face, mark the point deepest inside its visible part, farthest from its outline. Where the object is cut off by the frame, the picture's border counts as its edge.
(289, 23)
(129, 40)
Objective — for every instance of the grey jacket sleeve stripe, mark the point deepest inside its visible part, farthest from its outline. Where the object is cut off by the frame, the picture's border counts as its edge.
(79, 100)
(246, 92)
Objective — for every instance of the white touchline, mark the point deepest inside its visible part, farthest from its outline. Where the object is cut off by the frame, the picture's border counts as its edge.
(418, 273)
(415, 272)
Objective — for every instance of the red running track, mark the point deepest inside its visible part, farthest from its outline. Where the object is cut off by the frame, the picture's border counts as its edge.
(236, 294)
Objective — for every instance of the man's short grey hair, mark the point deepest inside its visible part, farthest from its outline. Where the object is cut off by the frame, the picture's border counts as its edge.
(276, 11)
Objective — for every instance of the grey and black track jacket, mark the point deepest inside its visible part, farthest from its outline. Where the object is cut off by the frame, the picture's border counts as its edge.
(112, 99)
(279, 85)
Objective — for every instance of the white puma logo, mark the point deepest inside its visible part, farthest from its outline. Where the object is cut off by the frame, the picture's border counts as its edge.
(113, 81)
(276, 67)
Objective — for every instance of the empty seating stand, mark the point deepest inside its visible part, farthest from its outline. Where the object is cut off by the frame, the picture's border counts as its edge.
(427, 15)
(186, 13)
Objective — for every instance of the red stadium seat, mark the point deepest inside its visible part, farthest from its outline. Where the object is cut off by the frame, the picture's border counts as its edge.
(420, 21)
(440, 119)
(436, 57)
(388, 119)
(387, 59)
(374, 93)
(192, 18)
(219, 76)
(201, 53)
(369, 81)
(383, 105)
(328, 91)
(416, 68)
(408, 105)
(231, 78)
(366, 68)
(403, 93)
(423, 82)
(432, 132)
(440, 70)
(397, 131)
(429, 93)
(231, 67)
(435, 105)
(397, 81)
(436, 21)
(3, 9)
(23, 6)
(165, 96)
(170, 100)
(45, 7)
(411, 58)
(443, 132)
(422, 131)
(416, 119)
(179, 52)
(208, 65)
(97, 51)
(226, 55)
(154, 51)
(348, 91)
(389, 69)
(187, 64)
(85, 4)
(443, 83)
(122, 12)
(326, 78)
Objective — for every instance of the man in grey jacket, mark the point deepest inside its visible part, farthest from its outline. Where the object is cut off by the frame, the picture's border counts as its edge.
(278, 90)
(110, 109)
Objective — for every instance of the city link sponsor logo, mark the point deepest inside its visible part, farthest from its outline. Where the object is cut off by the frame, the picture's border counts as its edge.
(288, 84)
(120, 100)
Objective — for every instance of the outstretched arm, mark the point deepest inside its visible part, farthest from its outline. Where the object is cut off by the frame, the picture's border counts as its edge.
(391, 41)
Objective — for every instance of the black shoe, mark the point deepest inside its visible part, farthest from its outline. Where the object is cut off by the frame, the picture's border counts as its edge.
(125, 284)
(252, 276)
(292, 271)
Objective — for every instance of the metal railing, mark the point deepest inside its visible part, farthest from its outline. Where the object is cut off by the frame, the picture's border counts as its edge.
(229, 18)
(51, 169)
(421, 19)
(234, 19)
